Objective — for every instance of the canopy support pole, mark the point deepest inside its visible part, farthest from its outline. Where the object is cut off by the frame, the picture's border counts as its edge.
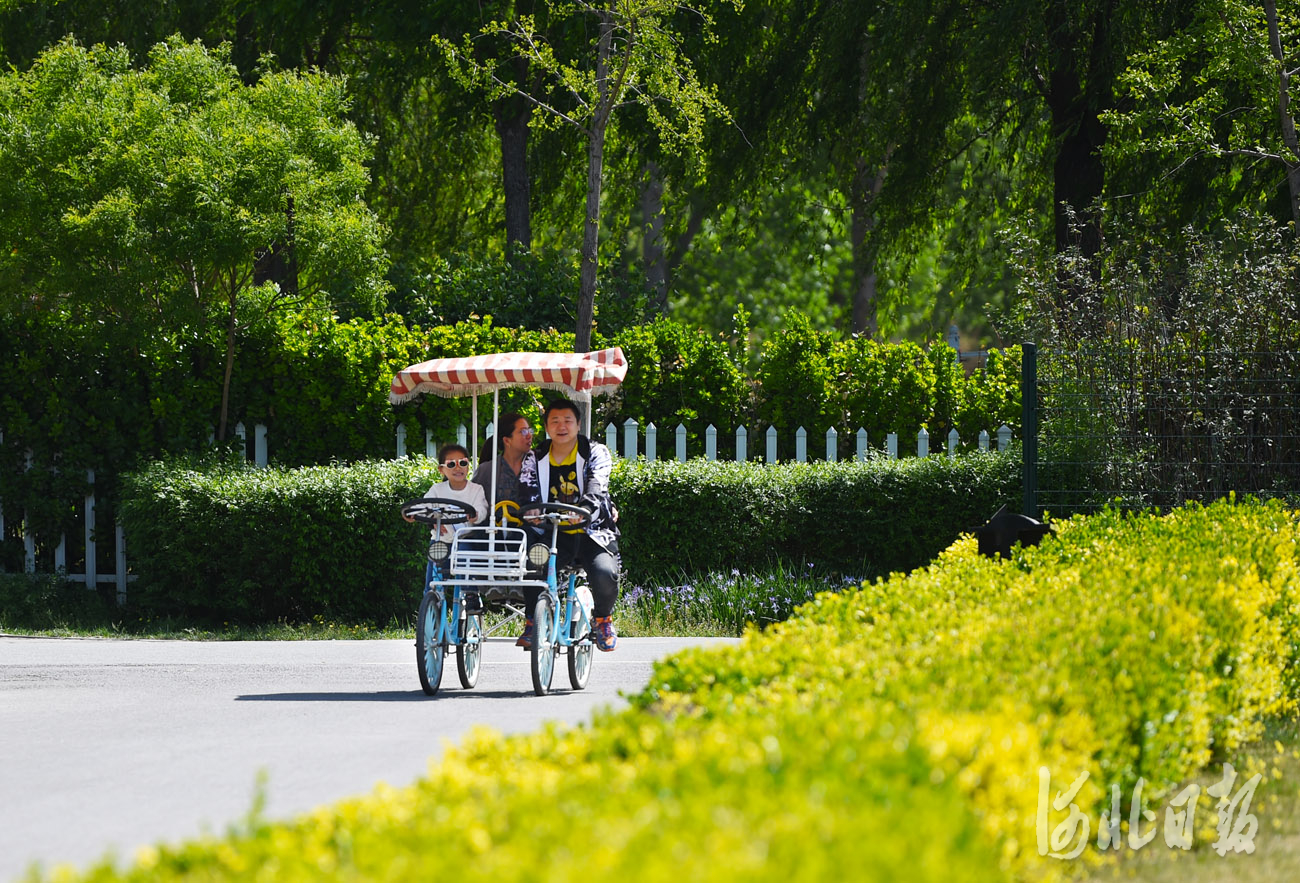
(496, 451)
(473, 428)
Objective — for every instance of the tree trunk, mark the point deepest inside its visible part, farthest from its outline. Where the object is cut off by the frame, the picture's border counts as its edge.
(590, 240)
(652, 249)
(595, 172)
(682, 244)
(230, 370)
(867, 183)
(1285, 118)
(1075, 99)
(512, 115)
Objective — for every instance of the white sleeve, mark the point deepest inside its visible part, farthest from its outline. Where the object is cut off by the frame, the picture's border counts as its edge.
(478, 500)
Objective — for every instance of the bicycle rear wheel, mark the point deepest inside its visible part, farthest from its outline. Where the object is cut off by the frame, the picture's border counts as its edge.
(469, 652)
(581, 650)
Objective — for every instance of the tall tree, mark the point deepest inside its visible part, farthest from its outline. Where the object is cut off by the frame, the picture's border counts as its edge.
(144, 197)
(1209, 116)
(629, 55)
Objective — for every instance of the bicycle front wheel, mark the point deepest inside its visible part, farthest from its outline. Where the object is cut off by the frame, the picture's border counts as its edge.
(429, 649)
(544, 647)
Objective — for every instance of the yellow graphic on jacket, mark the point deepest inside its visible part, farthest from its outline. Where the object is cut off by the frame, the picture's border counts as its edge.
(564, 482)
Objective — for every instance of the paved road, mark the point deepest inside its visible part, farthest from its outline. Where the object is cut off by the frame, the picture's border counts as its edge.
(111, 745)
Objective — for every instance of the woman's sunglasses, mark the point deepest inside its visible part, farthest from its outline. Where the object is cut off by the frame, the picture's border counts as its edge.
(452, 464)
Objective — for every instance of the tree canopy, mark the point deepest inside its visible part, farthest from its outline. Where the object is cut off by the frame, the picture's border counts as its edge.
(917, 147)
(173, 196)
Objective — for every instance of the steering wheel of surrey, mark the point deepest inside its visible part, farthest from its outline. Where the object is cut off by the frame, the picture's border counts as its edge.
(435, 510)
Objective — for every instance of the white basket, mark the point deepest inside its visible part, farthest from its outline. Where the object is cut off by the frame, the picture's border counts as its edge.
(490, 553)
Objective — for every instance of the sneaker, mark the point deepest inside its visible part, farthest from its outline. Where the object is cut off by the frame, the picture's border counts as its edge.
(606, 637)
(526, 639)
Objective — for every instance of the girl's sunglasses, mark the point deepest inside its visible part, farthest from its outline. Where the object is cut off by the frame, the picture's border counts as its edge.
(452, 464)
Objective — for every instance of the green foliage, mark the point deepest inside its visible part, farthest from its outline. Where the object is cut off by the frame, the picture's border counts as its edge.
(813, 379)
(865, 519)
(80, 397)
(922, 705)
(795, 380)
(533, 290)
(679, 374)
(236, 543)
(145, 195)
(1200, 126)
(48, 602)
(1114, 649)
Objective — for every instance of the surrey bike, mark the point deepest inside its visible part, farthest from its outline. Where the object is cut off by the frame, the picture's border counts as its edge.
(485, 569)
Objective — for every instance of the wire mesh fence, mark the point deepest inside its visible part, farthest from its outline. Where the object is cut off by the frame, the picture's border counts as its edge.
(1158, 426)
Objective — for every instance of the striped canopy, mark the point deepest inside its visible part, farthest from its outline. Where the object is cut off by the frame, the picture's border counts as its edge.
(581, 375)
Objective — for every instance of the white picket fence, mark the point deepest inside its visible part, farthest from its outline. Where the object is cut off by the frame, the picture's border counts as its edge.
(633, 437)
(90, 574)
(634, 443)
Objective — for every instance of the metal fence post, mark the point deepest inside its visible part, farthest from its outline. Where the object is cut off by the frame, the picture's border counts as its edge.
(611, 438)
(742, 444)
(771, 445)
(259, 445)
(832, 445)
(1029, 419)
(801, 445)
(401, 440)
(862, 443)
(923, 443)
(711, 442)
(92, 571)
(119, 537)
(891, 445)
(651, 439)
(29, 536)
(681, 443)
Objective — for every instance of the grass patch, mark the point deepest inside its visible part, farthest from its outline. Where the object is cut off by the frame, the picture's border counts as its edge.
(1276, 806)
(715, 605)
(48, 605)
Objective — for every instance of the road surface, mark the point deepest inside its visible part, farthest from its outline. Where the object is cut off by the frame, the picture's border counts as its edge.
(107, 745)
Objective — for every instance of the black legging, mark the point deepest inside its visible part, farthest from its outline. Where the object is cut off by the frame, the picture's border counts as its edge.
(600, 565)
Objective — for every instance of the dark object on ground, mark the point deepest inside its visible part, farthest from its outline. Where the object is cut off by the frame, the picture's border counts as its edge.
(1005, 529)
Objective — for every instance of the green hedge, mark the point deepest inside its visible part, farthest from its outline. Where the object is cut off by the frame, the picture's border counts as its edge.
(864, 519)
(231, 542)
(890, 733)
(235, 543)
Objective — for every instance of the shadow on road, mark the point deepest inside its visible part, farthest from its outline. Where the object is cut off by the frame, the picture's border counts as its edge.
(390, 696)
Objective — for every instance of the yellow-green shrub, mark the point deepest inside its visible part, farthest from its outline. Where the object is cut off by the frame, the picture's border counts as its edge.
(895, 732)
